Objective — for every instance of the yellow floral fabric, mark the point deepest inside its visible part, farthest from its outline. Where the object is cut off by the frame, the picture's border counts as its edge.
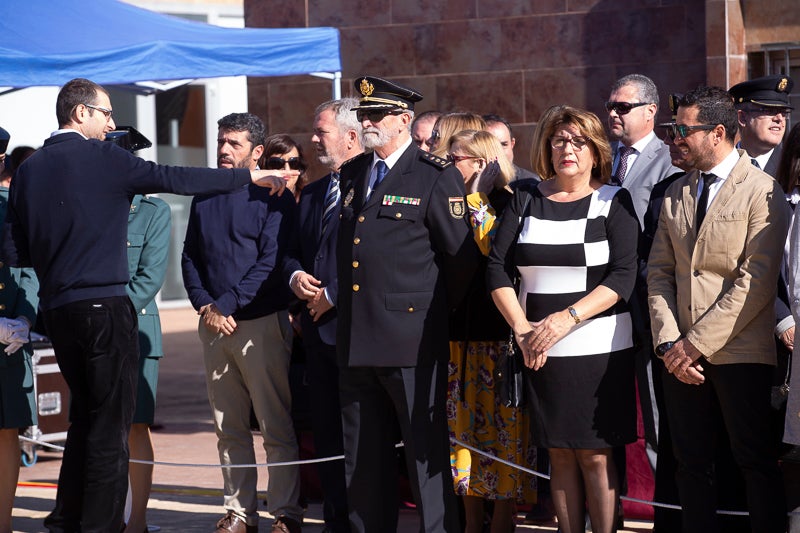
(475, 417)
(483, 219)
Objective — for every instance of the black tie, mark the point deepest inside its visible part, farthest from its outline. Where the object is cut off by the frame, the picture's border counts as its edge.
(755, 163)
(702, 203)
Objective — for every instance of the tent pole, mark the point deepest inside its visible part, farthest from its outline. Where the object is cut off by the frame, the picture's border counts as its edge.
(337, 85)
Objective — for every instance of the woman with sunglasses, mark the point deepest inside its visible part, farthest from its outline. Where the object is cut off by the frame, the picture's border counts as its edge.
(477, 335)
(281, 152)
(572, 241)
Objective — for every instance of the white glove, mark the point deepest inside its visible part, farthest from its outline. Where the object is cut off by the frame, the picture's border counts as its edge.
(17, 334)
(5, 329)
(13, 347)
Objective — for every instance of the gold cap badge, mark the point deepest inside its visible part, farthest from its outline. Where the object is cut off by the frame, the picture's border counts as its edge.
(782, 84)
(366, 87)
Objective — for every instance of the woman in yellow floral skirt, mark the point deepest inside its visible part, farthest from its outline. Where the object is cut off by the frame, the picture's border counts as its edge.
(477, 335)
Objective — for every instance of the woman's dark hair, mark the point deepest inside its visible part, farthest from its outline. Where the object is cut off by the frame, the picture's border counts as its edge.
(279, 144)
(788, 175)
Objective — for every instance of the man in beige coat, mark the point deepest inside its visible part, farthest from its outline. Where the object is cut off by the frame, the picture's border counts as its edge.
(712, 276)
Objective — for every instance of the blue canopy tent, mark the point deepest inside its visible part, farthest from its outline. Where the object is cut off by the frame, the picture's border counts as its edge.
(46, 43)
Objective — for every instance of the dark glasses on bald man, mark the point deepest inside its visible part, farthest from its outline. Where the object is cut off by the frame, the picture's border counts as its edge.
(623, 108)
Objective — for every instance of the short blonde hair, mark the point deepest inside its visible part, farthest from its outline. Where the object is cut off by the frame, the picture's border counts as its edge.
(589, 126)
(450, 124)
(480, 143)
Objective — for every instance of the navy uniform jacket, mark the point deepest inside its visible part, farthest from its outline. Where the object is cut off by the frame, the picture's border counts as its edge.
(314, 253)
(774, 160)
(18, 294)
(398, 261)
(148, 250)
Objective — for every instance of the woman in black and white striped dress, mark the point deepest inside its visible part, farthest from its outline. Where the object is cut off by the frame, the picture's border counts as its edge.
(572, 241)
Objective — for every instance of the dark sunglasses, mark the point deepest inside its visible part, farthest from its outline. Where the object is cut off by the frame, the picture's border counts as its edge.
(453, 158)
(682, 130)
(623, 108)
(278, 163)
(375, 115)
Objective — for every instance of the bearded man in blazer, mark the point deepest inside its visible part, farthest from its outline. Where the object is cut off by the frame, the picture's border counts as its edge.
(405, 248)
(712, 277)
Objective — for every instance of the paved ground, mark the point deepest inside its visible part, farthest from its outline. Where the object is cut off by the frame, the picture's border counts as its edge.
(183, 499)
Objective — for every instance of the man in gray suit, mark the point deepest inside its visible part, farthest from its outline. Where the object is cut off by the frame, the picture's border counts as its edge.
(640, 158)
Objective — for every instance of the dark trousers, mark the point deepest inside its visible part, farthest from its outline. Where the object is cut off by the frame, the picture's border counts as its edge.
(97, 349)
(374, 401)
(740, 394)
(322, 376)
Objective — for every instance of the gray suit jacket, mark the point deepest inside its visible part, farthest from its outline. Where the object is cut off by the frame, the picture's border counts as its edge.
(651, 166)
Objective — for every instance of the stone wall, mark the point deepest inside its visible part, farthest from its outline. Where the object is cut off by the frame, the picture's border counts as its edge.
(514, 58)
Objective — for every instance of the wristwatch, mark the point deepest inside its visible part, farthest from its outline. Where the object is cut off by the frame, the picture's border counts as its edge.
(574, 314)
(663, 348)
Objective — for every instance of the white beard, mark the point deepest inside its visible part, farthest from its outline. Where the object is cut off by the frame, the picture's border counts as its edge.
(373, 137)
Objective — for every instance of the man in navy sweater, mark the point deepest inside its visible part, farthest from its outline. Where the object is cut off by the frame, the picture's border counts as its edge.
(68, 219)
(231, 270)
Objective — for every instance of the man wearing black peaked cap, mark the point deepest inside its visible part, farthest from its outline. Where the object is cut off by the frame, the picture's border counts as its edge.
(405, 252)
(762, 106)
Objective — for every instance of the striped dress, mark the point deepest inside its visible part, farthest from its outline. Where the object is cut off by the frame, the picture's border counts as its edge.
(584, 395)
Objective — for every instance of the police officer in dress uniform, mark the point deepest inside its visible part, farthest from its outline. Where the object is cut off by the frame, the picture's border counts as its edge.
(405, 253)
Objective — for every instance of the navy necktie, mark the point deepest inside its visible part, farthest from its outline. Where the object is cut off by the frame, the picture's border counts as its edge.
(380, 172)
(755, 163)
(331, 199)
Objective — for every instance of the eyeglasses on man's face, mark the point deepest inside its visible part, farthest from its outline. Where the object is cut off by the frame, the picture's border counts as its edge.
(560, 143)
(278, 163)
(105, 111)
(375, 115)
(683, 130)
(623, 108)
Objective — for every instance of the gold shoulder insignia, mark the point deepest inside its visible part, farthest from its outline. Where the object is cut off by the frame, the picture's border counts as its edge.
(435, 160)
(366, 88)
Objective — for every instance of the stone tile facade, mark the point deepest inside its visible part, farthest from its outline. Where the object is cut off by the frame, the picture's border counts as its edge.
(516, 58)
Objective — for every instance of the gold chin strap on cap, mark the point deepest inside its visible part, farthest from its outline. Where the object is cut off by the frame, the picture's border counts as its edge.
(397, 103)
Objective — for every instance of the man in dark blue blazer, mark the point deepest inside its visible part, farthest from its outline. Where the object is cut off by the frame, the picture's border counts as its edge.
(310, 269)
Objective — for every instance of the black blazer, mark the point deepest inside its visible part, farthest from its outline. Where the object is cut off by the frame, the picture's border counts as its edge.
(312, 252)
(404, 257)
